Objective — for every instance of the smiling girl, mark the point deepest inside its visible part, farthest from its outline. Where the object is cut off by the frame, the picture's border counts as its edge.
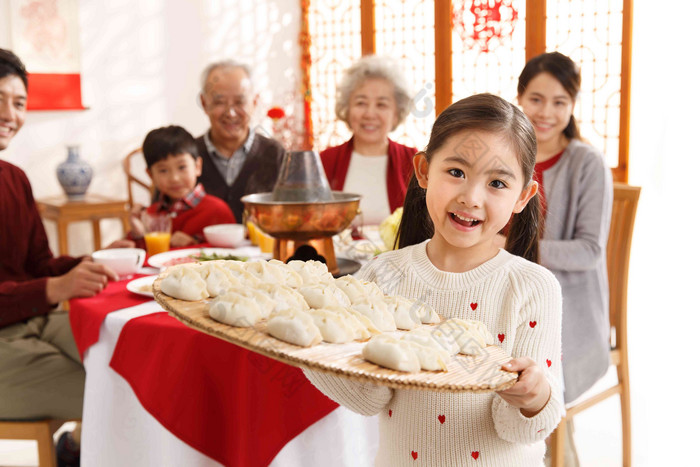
(474, 177)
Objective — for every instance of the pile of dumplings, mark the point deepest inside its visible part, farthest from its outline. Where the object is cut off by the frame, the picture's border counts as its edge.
(303, 304)
(428, 347)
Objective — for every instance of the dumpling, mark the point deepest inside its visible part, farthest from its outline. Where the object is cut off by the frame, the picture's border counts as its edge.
(295, 327)
(321, 296)
(335, 328)
(425, 312)
(219, 280)
(364, 320)
(430, 358)
(357, 290)
(262, 299)
(284, 297)
(361, 325)
(404, 312)
(274, 272)
(432, 336)
(389, 352)
(376, 310)
(235, 309)
(311, 272)
(470, 335)
(239, 271)
(184, 283)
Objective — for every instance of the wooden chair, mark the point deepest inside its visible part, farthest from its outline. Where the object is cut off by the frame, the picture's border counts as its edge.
(131, 179)
(40, 430)
(618, 253)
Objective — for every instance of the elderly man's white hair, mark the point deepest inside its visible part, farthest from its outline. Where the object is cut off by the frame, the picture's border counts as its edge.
(222, 64)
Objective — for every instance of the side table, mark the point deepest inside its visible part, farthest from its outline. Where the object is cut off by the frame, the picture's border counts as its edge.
(91, 208)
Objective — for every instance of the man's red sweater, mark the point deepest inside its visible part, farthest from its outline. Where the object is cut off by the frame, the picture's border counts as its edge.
(26, 262)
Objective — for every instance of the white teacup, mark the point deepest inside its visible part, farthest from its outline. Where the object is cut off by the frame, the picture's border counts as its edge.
(124, 261)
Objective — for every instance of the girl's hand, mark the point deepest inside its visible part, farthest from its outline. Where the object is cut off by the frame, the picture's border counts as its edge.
(181, 239)
(532, 391)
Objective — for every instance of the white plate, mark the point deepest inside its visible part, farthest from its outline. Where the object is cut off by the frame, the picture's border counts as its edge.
(251, 252)
(142, 285)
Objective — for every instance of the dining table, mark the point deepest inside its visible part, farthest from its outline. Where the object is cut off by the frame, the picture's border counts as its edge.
(160, 393)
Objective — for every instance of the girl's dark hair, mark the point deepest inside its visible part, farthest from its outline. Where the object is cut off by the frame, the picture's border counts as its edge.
(11, 65)
(479, 113)
(564, 70)
(168, 141)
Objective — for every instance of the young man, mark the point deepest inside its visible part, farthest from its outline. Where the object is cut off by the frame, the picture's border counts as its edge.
(41, 375)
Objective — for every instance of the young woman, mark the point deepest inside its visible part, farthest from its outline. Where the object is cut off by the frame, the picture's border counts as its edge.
(576, 187)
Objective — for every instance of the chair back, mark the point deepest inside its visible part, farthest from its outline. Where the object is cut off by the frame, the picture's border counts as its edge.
(624, 209)
(133, 160)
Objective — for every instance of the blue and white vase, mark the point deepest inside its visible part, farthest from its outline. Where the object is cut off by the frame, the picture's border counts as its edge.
(74, 174)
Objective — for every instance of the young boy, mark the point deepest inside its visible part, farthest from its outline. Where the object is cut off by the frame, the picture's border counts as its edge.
(174, 165)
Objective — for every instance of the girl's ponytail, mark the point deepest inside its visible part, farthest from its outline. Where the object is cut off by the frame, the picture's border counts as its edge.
(416, 225)
(524, 231)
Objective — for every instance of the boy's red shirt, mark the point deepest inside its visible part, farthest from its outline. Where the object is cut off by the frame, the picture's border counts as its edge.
(193, 212)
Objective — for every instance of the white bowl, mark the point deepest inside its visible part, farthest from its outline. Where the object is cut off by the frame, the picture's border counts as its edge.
(225, 235)
(123, 261)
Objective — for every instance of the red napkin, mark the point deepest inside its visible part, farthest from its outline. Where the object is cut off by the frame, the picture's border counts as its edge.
(87, 314)
(231, 404)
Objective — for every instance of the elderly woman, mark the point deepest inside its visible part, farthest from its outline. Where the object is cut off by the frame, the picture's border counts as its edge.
(372, 99)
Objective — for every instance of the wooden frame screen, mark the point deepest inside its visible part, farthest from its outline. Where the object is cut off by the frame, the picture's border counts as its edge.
(427, 37)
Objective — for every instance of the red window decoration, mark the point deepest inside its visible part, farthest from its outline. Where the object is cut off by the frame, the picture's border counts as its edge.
(484, 22)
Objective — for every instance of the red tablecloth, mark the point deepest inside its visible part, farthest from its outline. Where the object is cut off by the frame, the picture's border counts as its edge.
(233, 405)
(87, 314)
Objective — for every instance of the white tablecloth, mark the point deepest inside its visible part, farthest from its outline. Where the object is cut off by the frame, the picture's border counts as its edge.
(117, 431)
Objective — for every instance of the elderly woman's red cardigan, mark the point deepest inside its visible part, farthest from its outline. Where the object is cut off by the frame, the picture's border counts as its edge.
(336, 161)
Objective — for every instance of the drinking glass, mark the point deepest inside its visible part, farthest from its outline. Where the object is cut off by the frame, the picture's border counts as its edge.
(156, 232)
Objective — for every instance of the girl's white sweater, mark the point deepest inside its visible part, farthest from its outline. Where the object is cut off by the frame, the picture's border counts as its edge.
(520, 303)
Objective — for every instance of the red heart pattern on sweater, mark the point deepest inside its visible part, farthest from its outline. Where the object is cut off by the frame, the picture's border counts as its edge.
(441, 418)
(390, 412)
(414, 454)
(533, 324)
(501, 337)
(475, 455)
(549, 363)
(473, 305)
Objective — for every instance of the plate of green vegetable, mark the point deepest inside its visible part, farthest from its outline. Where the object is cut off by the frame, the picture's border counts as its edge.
(192, 255)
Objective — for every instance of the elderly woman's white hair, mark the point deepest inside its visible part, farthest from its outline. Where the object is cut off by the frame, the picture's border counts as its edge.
(372, 66)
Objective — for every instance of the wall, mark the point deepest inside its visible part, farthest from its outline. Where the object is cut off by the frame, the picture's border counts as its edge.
(141, 64)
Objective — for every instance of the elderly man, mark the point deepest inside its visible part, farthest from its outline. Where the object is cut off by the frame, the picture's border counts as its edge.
(236, 161)
(41, 375)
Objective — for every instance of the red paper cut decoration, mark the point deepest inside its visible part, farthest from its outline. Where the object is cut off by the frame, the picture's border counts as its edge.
(488, 22)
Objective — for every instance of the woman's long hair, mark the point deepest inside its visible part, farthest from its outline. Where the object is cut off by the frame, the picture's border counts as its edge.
(489, 114)
(564, 70)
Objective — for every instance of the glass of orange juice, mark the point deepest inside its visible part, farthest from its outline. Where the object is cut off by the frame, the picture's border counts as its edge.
(157, 232)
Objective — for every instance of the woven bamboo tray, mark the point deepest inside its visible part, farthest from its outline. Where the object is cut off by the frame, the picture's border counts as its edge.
(477, 374)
